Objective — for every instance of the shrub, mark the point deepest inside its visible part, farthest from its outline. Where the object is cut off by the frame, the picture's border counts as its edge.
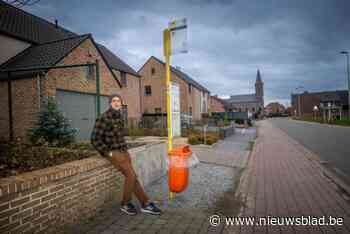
(18, 157)
(147, 132)
(239, 121)
(52, 127)
(212, 138)
(194, 139)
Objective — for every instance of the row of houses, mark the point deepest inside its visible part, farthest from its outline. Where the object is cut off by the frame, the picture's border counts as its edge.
(30, 42)
(303, 104)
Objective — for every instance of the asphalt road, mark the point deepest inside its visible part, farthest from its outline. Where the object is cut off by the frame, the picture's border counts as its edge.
(331, 143)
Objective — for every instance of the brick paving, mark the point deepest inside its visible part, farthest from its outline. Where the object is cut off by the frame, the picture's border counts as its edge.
(285, 179)
(233, 151)
(282, 179)
(212, 187)
(110, 221)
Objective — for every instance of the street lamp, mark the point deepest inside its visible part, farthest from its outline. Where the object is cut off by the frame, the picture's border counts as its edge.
(346, 53)
(315, 109)
(299, 101)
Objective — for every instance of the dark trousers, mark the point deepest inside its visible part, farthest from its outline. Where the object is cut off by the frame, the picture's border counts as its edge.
(122, 161)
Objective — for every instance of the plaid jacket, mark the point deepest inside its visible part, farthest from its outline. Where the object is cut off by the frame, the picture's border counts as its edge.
(108, 133)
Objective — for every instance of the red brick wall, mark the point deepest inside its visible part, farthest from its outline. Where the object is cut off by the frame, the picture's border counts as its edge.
(157, 83)
(4, 113)
(25, 91)
(158, 97)
(75, 79)
(25, 104)
(216, 105)
(131, 95)
(45, 200)
(274, 107)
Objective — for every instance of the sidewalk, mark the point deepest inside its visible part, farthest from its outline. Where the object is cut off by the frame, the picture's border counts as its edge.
(285, 179)
(211, 190)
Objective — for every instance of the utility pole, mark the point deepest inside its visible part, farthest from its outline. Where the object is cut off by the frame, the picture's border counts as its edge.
(346, 53)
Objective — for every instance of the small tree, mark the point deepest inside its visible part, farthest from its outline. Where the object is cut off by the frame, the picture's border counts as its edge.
(52, 127)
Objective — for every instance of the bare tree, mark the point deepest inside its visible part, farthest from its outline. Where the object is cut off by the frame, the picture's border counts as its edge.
(21, 3)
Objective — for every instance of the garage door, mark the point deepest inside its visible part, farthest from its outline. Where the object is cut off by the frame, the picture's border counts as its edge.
(80, 109)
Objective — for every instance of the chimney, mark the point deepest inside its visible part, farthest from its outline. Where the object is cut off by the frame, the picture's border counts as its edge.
(56, 23)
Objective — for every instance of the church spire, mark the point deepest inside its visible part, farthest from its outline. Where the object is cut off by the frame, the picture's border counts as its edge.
(258, 77)
(259, 87)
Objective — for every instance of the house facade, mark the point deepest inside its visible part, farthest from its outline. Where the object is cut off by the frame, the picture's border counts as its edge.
(274, 108)
(48, 44)
(303, 103)
(216, 104)
(194, 98)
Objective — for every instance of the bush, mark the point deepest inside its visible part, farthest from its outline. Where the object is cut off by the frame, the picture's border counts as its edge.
(239, 121)
(133, 132)
(185, 132)
(52, 127)
(18, 157)
(211, 139)
(195, 139)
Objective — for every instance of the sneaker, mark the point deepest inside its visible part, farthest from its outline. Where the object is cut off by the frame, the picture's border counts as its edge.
(129, 209)
(151, 208)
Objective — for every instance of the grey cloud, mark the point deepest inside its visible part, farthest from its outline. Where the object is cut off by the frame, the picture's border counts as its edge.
(293, 43)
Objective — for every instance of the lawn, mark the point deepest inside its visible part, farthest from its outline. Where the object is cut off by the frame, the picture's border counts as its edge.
(343, 122)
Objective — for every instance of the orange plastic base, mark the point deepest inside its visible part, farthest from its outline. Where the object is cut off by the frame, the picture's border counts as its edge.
(178, 179)
(178, 176)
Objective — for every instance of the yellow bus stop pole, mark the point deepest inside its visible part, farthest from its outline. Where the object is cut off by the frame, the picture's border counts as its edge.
(167, 52)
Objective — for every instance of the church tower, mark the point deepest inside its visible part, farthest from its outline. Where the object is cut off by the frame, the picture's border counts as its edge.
(259, 88)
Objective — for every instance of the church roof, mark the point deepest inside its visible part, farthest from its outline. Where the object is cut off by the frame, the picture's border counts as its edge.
(242, 98)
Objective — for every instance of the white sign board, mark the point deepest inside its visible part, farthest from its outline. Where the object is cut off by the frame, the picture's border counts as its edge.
(175, 110)
(178, 35)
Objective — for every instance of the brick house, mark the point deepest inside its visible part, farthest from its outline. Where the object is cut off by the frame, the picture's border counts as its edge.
(304, 103)
(29, 41)
(274, 108)
(216, 104)
(194, 98)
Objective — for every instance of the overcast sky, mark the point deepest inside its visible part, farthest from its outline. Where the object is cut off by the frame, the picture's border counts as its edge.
(293, 43)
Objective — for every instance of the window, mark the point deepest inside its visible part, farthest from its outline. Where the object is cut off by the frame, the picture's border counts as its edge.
(90, 72)
(190, 110)
(153, 71)
(158, 110)
(253, 109)
(189, 88)
(148, 90)
(124, 81)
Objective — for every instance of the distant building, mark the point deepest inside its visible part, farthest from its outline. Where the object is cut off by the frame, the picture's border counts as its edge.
(274, 108)
(216, 104)
(194, 97)
(304, 103)
(253, 103)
